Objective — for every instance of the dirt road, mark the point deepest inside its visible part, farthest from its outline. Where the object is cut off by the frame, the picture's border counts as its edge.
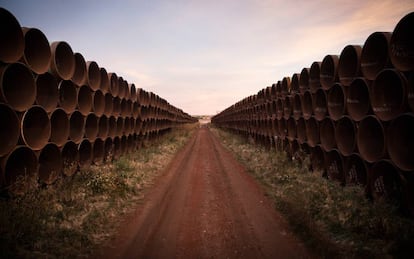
(205, 206)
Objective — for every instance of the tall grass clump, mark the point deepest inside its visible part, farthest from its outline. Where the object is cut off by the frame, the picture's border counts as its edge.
(335, 221)
(76, 215)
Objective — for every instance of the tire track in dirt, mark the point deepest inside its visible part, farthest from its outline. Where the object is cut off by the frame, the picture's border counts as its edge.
(206, 206)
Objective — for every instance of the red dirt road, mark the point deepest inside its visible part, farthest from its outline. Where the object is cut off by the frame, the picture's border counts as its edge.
(206, 206)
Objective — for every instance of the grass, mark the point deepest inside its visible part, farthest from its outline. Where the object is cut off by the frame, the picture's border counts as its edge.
(76, 215)
(334, 221)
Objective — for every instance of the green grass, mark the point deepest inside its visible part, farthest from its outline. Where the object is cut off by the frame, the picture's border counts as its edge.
(78, 214)
(335, 221)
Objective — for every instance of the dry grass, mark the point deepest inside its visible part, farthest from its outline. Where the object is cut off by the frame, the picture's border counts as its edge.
(77, 214)
(335, 221)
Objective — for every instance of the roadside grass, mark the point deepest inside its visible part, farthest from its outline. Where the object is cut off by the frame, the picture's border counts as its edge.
(76, 215)
(334, 221)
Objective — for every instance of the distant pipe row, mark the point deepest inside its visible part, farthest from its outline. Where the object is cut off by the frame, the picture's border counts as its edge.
(352, 112)
(59, 112)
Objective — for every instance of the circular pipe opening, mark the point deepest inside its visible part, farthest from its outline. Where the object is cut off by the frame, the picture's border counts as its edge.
(98, 151)
(133, 91)
(307, 105)
(119, 126)
(356, 170)
(291, 129)
(304, 80)
(121, 87)
(47, 93)
(327, 134)
(18, 88)
(301, 130)
(400, 141)
(345, 135)
(63, 61)
(19, 166)
(104, 80)
(116, 106)
(402, 44)
(329, 71)
(320, 104)
(336, 101)
(77, 126)
(349, 64)
(103, 124)
(371, 139)
(294, 85)
(85, 154)
(12, 43)
(297, 106)
(67, 96)
(285, 87)
(113, 84)
(70, 158)
(85, 101)
(59, 122)
(93, 73)
(312, 132)
(112, 126)
(314, 77)
(388, 94)
(91, 127)
(287, 107)
(374, 55)
(127, 125)
(79, 76)
(10, 129)
(37, 52)
(358, 102)
(50, 164)
(36, 128)
(98, 103)
(108, 104)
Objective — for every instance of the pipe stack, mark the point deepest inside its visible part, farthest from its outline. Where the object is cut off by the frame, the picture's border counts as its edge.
(60, 113)
(352, 112)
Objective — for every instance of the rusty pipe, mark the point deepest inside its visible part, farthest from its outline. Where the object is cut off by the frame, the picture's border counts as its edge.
(371, 140)
(285, 86)
(294, 85)
(47, 92)
(68, 96)
(108, 104)
(116, 106)
(127, 126)
(79, 75)
(119, 126)
(37, 52)
(12, 43)
(312, 132)
(336, 101)
(91, 126)
(62, 64)
(133, 91)
(85, 154)
(112, 125)
(121, 87)
(291, 129)
(76, 126)
(50, 164)
(35, 128)
(70, 158)
(104, 85)
(374, 55)
(301, 130)
(314, 76)
(98, 151)
(98, 105)
(307, 105)
(384, 181)
(93, 75)
(85, 101)
(304, 80)
(320, 104)
(136, 110)
(358, 102)
(402, 44)
(329, 71)
(356, 170)
(345, 136)
(113, 84)
(297, 106)
(400, 141)
(103, 126)
(60, 128)
(287, 107)
(10, 129)
(17, 86)
(279, 108)
(327, 134)
(282, 128)
(389, 94)
(349, 64)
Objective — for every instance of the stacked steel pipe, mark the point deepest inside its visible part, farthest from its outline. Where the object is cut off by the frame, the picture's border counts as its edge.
(353, 112)
(59, 112)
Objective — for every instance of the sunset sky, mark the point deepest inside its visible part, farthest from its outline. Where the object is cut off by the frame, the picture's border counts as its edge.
(203, 56)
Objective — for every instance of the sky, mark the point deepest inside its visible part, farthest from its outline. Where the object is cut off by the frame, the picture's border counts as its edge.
(204, 56)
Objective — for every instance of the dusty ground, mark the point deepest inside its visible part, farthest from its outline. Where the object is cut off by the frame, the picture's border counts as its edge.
(205, 205)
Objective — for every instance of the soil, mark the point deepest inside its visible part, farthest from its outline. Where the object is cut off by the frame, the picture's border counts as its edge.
(205, 205)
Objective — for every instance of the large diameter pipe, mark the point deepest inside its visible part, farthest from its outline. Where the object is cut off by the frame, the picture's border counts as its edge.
(17, 86)
(113, 84)
(336, 101)
(294, 85)
(136, 110)
(358, 103)
(85, 154)
(400, 141)
(304, 80)
(282, 128)
(374, 55)
(402, 44)
(119, 126)
(334, 164)
(70, 158)
(349, 64)
(314, 76)
(12, 39)
(108, 104)
(287, 107)
(79, 76)
(103, 126)
(116, 106)
(10, 129)
(98, 151)
(297, 106)
(307, 105)
(320, 104)
(105, 84)
(121, 87)
(93, 75)
(384, 181)
(37, 52)
(345, 136)
(62, 63)
(47, 92)
(85, 100)
(91, 127)
(356, 170)
(371, 139)
(329, 71)
(50, 164)
(285, 86)
(133, 91)
(68, 96)
(389, 94)
(112, 126)
(35, 128)
(76, 126)
(98, 105)
(301, 130)
(18, 167)
(279, 108)
(327, 134)
(60, 127)
(312, 132)
(291, 129)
